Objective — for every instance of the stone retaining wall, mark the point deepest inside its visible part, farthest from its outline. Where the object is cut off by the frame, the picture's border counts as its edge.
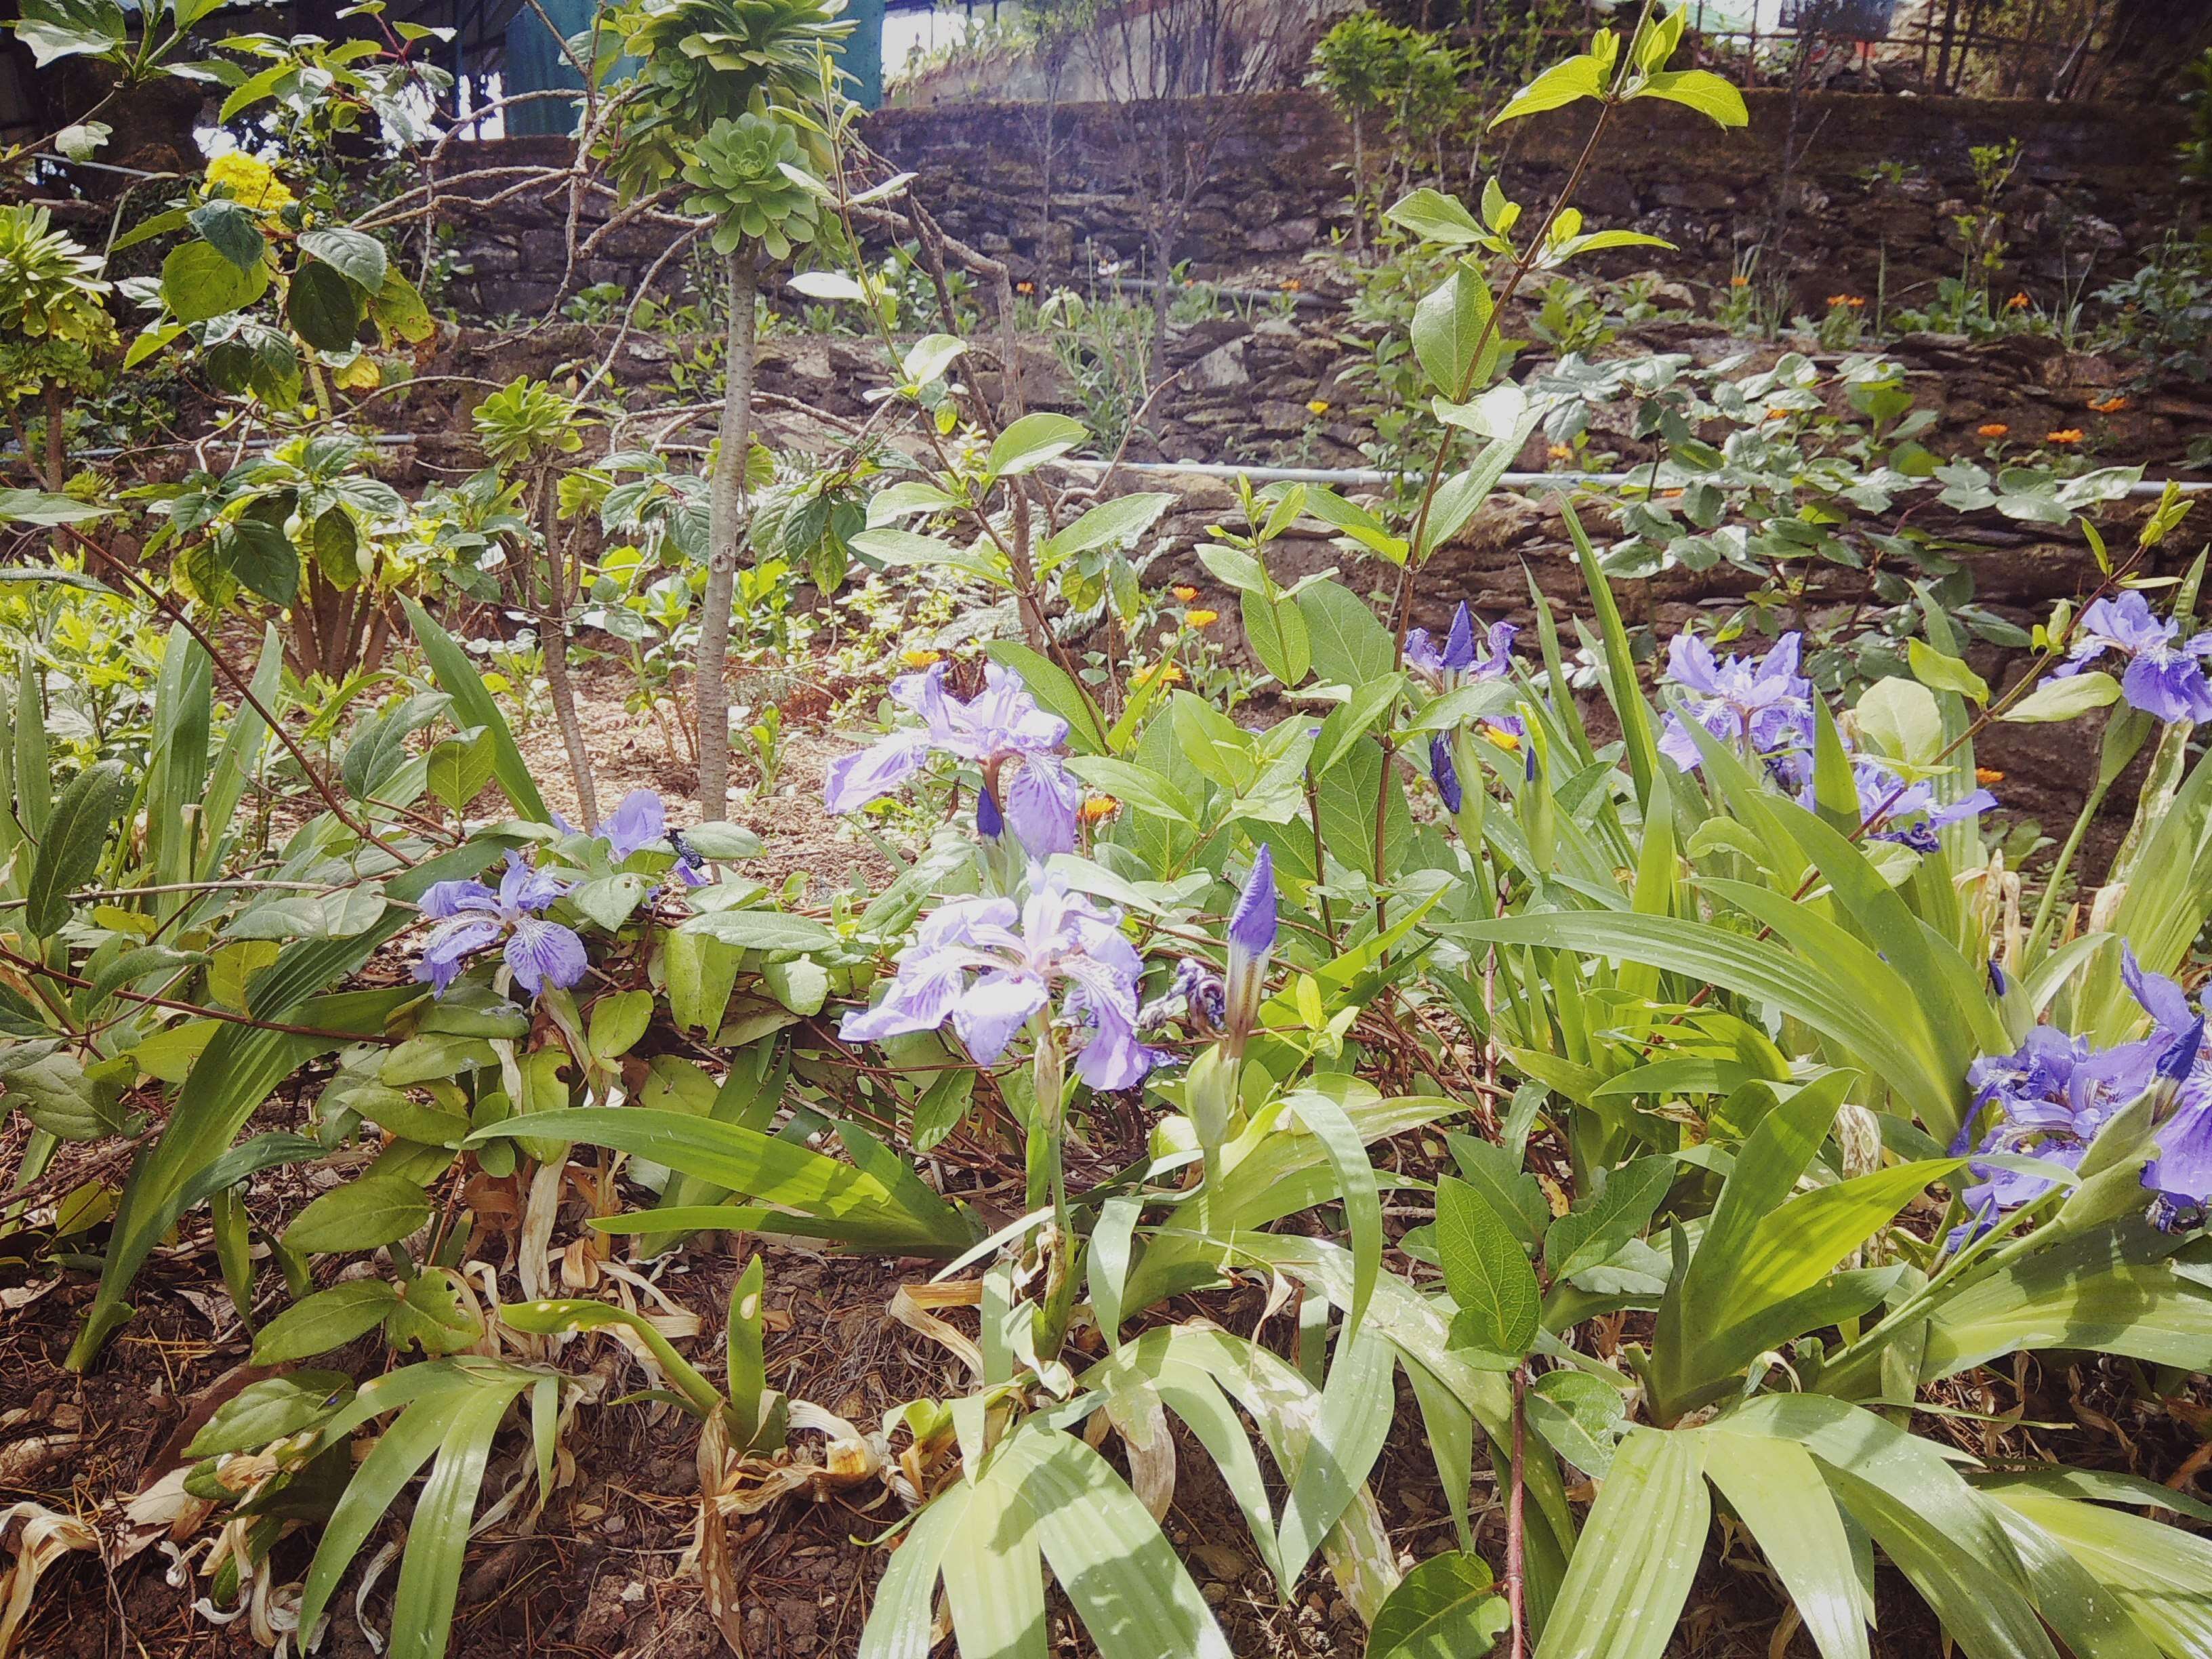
(2095, 183)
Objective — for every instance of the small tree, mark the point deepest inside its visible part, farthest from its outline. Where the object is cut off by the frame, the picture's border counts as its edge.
(52, 319)
(738, 72)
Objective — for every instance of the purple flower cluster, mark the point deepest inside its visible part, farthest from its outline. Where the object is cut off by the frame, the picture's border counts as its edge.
(1763, 707)
(2049, 1100)
(1001, 725)
(2165, 674)
(1463, 659)
(474, 917)
(988, 967)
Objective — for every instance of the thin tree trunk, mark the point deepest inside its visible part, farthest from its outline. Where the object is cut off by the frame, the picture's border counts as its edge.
(725, 494)
(56, 460)
(553, 635)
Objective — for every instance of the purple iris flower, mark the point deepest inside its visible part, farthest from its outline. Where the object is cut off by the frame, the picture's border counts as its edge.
(1252, 927)
(1762, 704)
(2165, 676)
(639, 823)
(1445, 774)
(2046, 1101)
(1001, 724)
(1461, 658)
(1907, 813)
(988, 966)
(474, 917)
(2181, 1174)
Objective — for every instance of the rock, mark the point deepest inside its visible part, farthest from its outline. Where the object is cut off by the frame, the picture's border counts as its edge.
(1221, 368)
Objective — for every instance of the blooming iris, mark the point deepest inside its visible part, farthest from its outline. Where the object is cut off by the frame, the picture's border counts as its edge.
(2051, 1098)
(988, 967)
(1461, 657)
(475, 917)
(1763, 704)
(640, 822)
(1001, 724)
(1907, 813)
(2165, 674)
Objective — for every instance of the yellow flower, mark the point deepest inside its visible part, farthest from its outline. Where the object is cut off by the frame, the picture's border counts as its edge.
(1202, 618)
(1777, 414)
(1024, 287)
(1185, 595)
(1099, 808)
(1166, 673)
(2070, 435)
(920, 659)
(1317, 406)
(1291, 285)
(1561, 452)
(2112, 405)
(249, 181)
(1988, 775)
(1991, 429)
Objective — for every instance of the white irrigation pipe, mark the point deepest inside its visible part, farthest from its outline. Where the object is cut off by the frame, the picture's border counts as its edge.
(1357, 478)
(1364, 476)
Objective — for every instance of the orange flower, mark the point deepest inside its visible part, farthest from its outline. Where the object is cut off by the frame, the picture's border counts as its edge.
(1670, 494)
(1024, 287)
(1291, 285)
(1991, 429)
(1738, 281)
(1099, 808)
(1186, 594)
(1202, 618)
(1561, 452)
(2019, 301)
(2112, 405)
(920, 659)
(1777, 414)
(1988, 775)
(2071, 435)
(1846, 301)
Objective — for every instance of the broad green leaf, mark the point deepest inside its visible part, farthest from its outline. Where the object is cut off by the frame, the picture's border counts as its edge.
(272, 1409)
(1700, 90)
(367, 1212)
(1640, 1549)
(2065, 699)
(1435, 217)
(1452, 333)
(1932, 668)
(1447, 1607)
(1589, 1233)
(1134, 1598)
(1488, 1276)
(1777, 1491)
(1110, 524)
(199, 283)
(1563, 83)
(71, 843)
(328, 1319)
(1031, 441)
